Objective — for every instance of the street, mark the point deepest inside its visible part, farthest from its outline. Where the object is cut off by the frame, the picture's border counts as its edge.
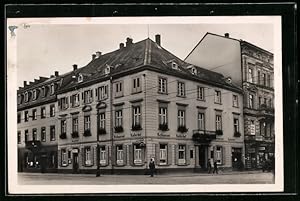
(255, 177)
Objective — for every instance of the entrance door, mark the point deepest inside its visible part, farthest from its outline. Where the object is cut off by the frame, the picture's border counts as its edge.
(202, 156)
(236, 158)
(75, 162)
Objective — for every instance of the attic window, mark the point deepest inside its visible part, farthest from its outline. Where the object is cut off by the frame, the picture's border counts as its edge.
(34, 94)
(52, 88)
(80, 78)
(194, 71)
(174, 65)
(43, 91)
(107, 70)
(26, 96)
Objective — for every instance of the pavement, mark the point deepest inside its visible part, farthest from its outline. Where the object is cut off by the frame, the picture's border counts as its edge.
(230, 177)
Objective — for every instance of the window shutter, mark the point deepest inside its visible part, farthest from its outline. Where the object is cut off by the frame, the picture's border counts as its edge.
(82, 156)
(130, 147)
(187, 154)
(92, 155)
(124, 154)
(176, 154)
(107, 155)
(223, 155)
(157, 158)
(113, 155)
(143, 154)
(169, 154)
(59, 157)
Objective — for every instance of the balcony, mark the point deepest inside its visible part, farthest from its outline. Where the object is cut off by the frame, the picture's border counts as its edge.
(203, 136)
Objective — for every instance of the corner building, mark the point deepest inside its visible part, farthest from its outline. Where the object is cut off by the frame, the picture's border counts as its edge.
(140, 102)
(251, 68)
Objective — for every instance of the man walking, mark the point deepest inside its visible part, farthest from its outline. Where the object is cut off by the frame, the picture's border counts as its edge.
(152, 167)
(215, 167)
(209, 166)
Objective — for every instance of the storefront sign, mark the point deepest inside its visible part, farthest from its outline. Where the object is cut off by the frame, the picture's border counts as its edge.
(163, 134)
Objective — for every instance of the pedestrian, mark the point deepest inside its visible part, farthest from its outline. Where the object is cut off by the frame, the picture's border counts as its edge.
(152, 167)
(209, 166)
(215, 167)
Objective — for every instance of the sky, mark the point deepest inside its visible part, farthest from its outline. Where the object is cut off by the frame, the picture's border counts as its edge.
(43, 48)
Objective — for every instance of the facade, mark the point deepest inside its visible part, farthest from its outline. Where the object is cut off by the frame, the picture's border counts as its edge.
(141, 102)
(251, 68)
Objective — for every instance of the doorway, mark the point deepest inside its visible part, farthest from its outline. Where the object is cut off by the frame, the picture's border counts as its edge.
(237, 158)
(75, 163)
(203, 156)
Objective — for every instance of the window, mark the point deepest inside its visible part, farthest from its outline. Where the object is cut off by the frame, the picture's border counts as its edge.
(252, 127)
(34, 116)
(191, 153)
(264, 79)
(174, 65)
(19, 99)
(201, 121)
(107, 70)
(235, 101)
(80, 78)
(34, 94)
(181, 118)
(194, 71)
(269, 80)
(43, 134)
(88, 156)
(181, 154)
(52, 89)
(102, 92)
(43, 112)
(34, 134)
(119, 89)
(162, 116)
(250, 75)
(120, 155)
(162, 85)
(26, 135)
(102, 155)
(200, 93)
(63, 126)
(119, 118)
(26, 116)
(19, 137)
(270, 103)
(64, 157)
(102, 120)
(52, 133)
(137, 154)
(75, 124)
(251, 104)
(52, 110)
(136, 116)
(136, 85)
(219, 155)
(163, 154)
(265, 101)
(19, 118)
(26, 97)
(259, 101)
(218, 122)
(258, 77)
(43, 91)
(88, 96)
(87, 123)
(181, 89)
(75, 101)
(63, 103)
(218, 98)
(236, 125)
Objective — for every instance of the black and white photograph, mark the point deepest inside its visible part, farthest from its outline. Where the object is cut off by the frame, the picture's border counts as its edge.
(145, 104)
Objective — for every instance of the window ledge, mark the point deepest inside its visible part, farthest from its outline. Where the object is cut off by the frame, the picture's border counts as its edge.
(201, 99)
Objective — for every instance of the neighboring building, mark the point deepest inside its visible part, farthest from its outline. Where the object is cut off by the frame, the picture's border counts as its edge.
(141, 102)
(252, 68)
(37, 131)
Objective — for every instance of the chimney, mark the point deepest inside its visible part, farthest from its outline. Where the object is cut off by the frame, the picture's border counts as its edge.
(157, 39)
(98, 54)
(93, 56)
(121, 45)
(25, 83)
(226, 35)
(56, 73)
(74, 67)
(128, 41)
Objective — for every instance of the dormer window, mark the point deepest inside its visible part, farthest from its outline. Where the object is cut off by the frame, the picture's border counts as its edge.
(19, 98)
(52, 89)
(194, 71)
(43, 91)
(107, 70)
(80, 78)
(174, 65)
(26, 96)
(34, 94)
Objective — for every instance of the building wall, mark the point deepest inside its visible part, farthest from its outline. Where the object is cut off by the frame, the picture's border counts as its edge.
(226, 56)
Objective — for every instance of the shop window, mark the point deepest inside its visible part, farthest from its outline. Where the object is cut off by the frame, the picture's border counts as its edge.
(64, 157)
(219, 155)
(120, 155)
(88, 156)
(181, 154)
(137, 154)
(102, 155)
(163, 154)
